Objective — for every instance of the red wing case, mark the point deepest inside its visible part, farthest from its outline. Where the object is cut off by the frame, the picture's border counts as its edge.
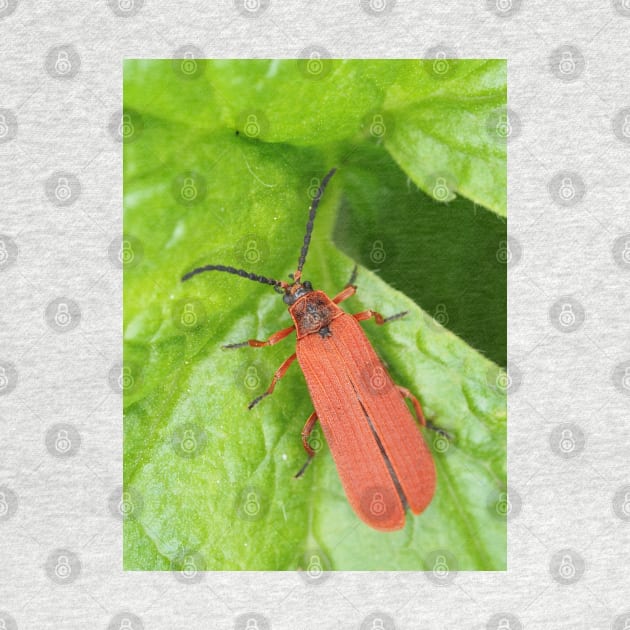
(375, 441)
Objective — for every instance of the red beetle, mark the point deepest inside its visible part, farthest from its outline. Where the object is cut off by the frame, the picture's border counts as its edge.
(381, 456)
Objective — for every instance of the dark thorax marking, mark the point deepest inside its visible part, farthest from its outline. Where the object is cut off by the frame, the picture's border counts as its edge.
(313, 313)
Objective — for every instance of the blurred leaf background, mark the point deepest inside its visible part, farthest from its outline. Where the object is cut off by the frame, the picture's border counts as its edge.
(221, 159)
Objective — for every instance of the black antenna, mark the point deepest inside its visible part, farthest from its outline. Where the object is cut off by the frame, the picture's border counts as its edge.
(311, 218)
(236, 272)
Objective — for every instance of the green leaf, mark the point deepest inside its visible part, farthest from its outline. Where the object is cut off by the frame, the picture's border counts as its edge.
(449, 133)
(210, 483)
(445, 129)
(449, 260)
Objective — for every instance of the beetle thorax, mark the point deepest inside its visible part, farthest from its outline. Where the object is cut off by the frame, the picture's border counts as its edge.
(312, 312)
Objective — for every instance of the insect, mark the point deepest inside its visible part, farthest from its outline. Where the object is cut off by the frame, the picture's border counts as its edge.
(381, 456)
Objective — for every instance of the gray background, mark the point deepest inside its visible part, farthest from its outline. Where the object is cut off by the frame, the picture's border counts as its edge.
(569, 520)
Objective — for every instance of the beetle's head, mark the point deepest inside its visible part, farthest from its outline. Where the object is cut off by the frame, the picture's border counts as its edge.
(294, 290)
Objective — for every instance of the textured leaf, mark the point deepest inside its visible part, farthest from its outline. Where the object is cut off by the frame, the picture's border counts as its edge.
(451, 137)
(449, 259)
(211, 483)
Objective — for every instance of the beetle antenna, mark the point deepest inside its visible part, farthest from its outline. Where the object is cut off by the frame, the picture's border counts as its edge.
(311, 219)
(236, 272)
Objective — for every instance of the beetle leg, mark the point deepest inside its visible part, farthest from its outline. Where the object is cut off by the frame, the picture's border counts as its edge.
(349, 290)
(280, 372)
(306, 432)
(353, 277)
(415, 402)
(275, 338)
(419, 413)
(380, 320)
